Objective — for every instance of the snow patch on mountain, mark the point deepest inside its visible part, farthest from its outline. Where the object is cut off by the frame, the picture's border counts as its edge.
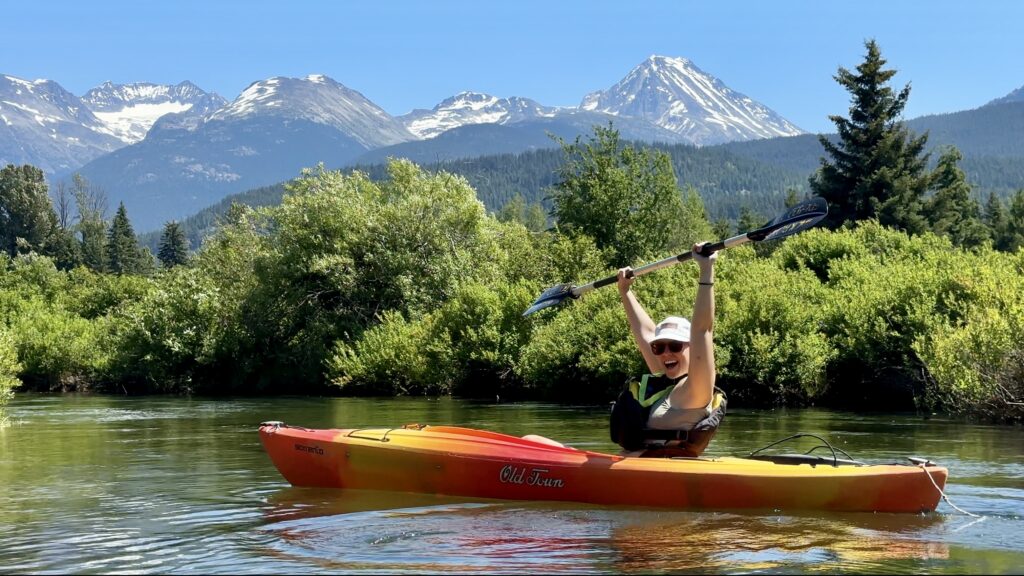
(128, 111)
(132, 124)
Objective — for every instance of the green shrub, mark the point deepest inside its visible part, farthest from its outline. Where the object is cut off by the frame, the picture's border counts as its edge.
(58, 349)
(169, 339)
(467, 346)
(768, 334)
(976, 359)
(389, 359)
(9, 369)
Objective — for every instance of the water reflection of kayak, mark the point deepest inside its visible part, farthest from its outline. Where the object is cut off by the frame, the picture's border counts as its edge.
(294, 503)
(475, 463)
(732, 543)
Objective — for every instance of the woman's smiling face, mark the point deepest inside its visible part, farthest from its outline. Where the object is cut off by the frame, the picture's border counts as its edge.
(674, 356)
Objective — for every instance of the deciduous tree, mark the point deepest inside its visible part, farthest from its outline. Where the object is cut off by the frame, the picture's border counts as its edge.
(27, 219)
(626, 199)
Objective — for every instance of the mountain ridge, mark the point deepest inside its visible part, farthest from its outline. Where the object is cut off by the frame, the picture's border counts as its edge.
(280, 125)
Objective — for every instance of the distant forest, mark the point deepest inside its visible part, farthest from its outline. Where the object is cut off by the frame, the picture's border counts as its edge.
(726, 181)
(754, 175)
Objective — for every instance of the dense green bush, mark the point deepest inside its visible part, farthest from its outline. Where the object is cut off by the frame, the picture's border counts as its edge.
(164, 341)
(9, 369)
(61, 321)
(584, 352)
(59, 350)
(769, 339)
(466, 347)
(390, 359)
(881, 304)
(975, 358)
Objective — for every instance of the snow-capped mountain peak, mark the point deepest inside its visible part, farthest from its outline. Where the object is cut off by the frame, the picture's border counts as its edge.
(472, 108)
(321, 100)
(43, 124)
(128, 111)
(675, 94)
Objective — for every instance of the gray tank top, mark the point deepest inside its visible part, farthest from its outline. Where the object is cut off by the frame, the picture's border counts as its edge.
(666, 417)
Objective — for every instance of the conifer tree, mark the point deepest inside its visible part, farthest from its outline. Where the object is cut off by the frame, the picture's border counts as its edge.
(1015, 222)
(514, 210)
(749, 220)
(995, 219)
(66, 250)
(792, 199)
(721, 229)
(877, 168)
(951, 211)
(123, 253)
(173, 245)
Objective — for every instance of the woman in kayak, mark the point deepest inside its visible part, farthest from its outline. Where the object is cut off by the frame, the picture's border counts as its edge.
(676, 409)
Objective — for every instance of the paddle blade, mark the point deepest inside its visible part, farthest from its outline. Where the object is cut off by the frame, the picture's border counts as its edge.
(798, 218)
(551, 297)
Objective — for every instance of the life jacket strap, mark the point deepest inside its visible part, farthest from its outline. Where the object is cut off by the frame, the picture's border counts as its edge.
(641, 393)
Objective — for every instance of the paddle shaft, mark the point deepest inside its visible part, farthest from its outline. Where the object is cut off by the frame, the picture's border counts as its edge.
(706, 250)
(799, 217)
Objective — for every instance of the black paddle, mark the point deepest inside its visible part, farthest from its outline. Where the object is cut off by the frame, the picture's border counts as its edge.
(800, 217)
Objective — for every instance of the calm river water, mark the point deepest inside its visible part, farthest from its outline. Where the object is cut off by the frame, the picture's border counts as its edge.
(102, 484)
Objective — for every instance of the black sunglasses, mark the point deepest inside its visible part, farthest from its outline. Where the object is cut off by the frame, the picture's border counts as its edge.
(659, 347)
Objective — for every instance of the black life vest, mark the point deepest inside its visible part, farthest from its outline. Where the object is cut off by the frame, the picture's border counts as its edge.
(633, 407)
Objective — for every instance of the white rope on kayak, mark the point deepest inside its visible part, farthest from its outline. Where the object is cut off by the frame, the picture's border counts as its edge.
(924, 467)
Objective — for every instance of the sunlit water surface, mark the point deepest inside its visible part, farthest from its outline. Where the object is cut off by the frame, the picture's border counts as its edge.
(101, 484)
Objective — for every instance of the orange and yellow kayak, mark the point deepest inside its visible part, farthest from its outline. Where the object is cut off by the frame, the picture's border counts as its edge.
(472, 463)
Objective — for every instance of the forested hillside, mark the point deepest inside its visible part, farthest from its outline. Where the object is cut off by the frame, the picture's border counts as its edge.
(727, 182)
(988, 137)
(755, 175)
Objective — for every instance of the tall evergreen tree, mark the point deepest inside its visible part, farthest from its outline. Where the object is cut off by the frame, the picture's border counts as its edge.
(693, 222)
(123, 253)
(877, 167)
(514, 210)
(792, 199)
(749, 220)
(995, 219)
(721, 229)
(951, 211)
(26, 213)
(173, 245)
(1015, 222)
(66, 250)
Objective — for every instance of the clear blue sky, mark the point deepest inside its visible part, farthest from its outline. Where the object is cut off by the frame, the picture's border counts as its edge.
(412, 54)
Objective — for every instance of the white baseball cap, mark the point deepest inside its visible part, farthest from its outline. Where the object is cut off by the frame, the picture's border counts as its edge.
(672, 328)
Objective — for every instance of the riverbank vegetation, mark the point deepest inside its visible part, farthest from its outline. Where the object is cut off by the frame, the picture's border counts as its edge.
(912, 298)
